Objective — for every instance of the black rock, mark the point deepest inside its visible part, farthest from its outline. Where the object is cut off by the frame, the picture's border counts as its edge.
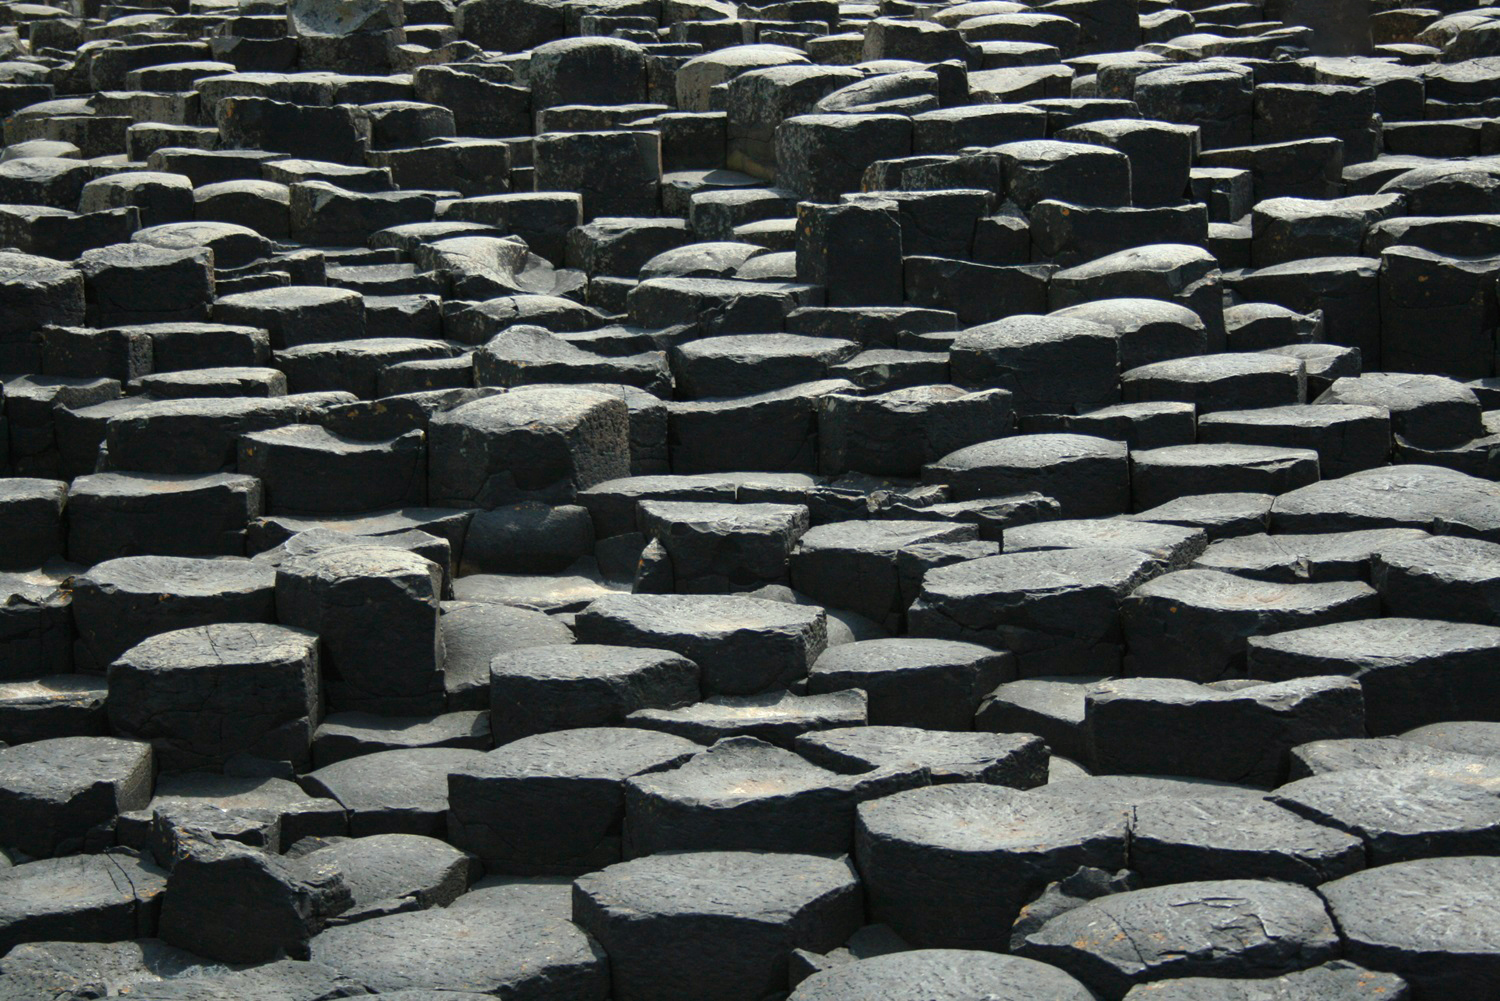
(393, 792)
(1424, 921)
(107, 897)
(1236, 837)
(554, 802)
(273, 905)
(951, 866)
(54, 794)
(725, 923)
(205, 694)
(927, 683)
(1413, 671)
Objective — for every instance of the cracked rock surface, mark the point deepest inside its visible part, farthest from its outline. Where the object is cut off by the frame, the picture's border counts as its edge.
(782, 500)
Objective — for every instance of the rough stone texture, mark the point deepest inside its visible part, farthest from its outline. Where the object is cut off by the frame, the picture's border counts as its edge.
(1232, 927)
(951, 866)
(722, 922)
(1042, 454)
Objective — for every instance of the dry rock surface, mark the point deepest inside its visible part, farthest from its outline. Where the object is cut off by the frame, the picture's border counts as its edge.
(783, 500)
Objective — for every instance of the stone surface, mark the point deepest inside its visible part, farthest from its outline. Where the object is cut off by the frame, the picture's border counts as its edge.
(544, 437)
(725, 922)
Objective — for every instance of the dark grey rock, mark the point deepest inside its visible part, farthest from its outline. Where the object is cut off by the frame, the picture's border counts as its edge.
(1049, 364)
(1347, 438)
(394, 873)
(742, 645)
(895, 433)
(1443, 577)
(105, 897)
(393, 792)
(554, 802)
(1401, 814)
(1051, 708)
(274, 904)
(279, 980)
(32, 512)
(1405, 496)
(1425, 921)
(911, 682)
(207, 693)
(747, 795)
(1223, 928)
(1236, 837)
(1413, 671)
(1174, 545)
(951, 866)
(542, 444)
(779, 717)
(507, 942)
(134, 963)
(1296, 558)
(306, 469)
(1221, 515)
(55, 793)
(829, 557)
(1244, 735)
(375, 611)
(1056, 610)
(58, 705)
(476, 632)
(1060, 896)
(717, 548)
(349, 735)
(1195, 624)
(255, 799)
(1088, 476)
(546, 688)
(675, 926)
(1161, 475)
(1464, 736)
(527, 538)
(943, 975)
(160, 514)
(1336, 980)
(1381, 753)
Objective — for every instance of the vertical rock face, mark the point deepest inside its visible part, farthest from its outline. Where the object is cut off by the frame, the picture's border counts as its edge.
(205, 694)
(675, 925)
(375, 612)
(542, 445)
(651, 499)
(59, 791)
